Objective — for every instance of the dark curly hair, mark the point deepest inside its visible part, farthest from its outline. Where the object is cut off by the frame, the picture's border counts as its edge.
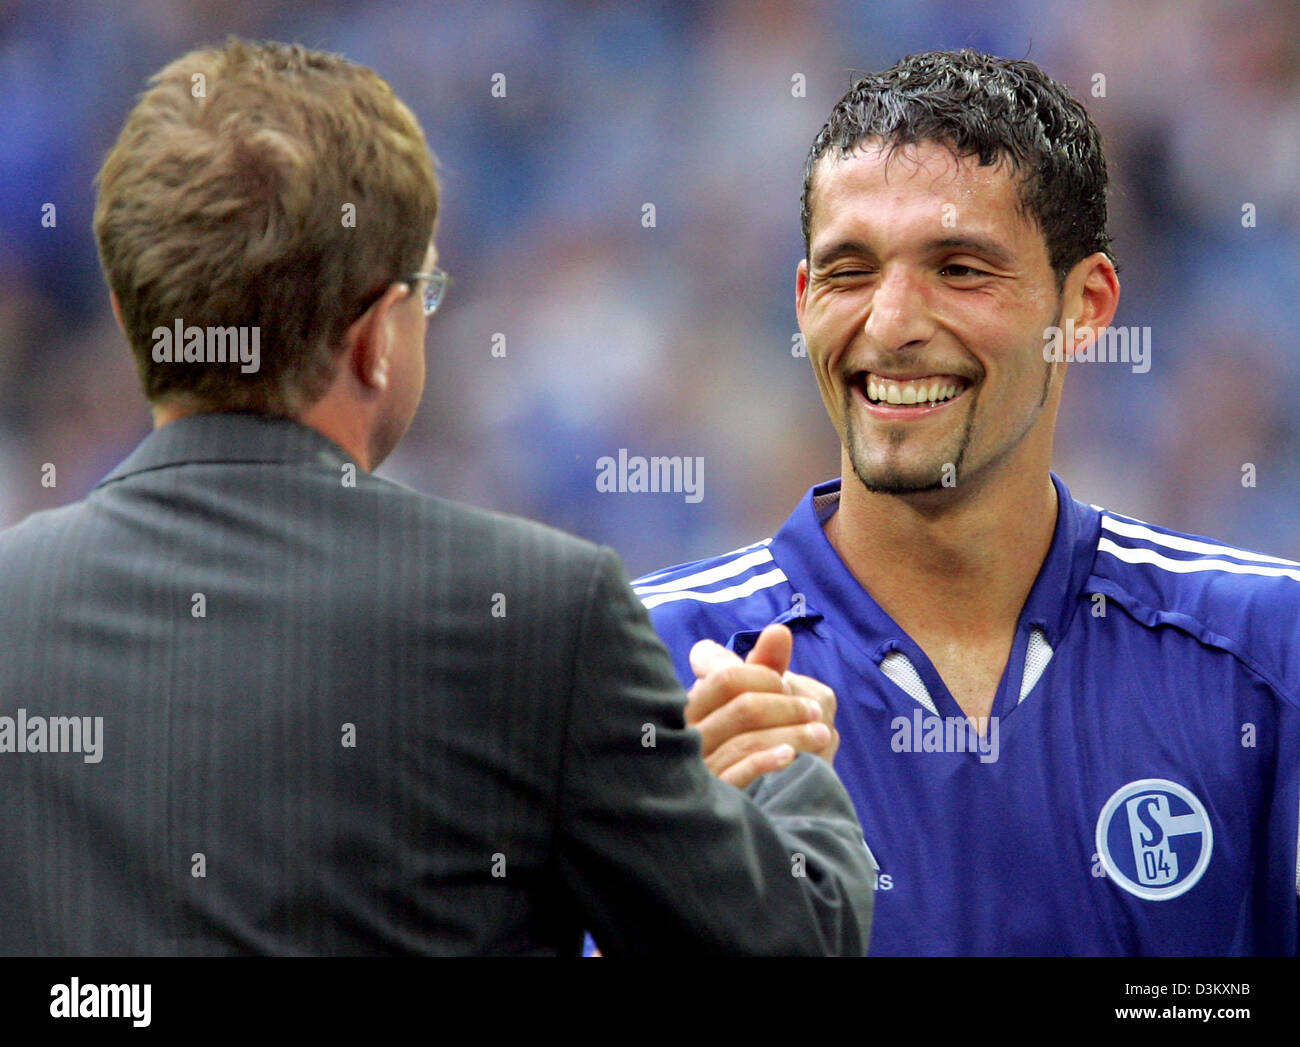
(998, 109)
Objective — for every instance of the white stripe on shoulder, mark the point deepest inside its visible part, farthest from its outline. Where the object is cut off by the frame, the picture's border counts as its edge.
(1135, 529)
(1149, 556)
(735, 592)
(709, 575)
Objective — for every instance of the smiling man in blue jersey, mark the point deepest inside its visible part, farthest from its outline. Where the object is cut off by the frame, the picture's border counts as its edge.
(1065, 731)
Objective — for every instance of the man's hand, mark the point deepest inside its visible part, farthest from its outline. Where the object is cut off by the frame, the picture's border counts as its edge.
(754, 715)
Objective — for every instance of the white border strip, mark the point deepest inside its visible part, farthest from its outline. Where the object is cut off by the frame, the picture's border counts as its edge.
(1148, 556)
(1187, 545)
(735, 592)
(709, 575)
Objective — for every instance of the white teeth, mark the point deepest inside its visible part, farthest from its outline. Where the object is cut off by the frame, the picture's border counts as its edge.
(884, 390)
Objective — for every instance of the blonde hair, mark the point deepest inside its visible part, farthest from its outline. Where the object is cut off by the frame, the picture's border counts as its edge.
(225, 202)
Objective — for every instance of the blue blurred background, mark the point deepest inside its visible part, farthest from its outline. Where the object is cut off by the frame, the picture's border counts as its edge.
(676, 339)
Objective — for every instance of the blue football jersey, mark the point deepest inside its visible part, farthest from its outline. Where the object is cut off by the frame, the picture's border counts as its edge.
(1136, 789)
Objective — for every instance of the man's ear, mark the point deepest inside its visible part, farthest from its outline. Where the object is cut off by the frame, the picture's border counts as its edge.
(117, 310)
(800, 288)
(1090, 298)
(371, 339)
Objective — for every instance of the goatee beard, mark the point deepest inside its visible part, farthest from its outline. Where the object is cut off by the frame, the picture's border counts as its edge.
(892, 480)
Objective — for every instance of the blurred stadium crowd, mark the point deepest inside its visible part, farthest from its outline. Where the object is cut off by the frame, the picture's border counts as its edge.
(676, 339)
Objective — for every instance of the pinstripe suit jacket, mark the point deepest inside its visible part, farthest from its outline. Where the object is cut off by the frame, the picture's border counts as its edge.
(342, 718)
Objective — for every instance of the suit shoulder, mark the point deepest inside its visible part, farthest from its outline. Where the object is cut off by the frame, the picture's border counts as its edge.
(489, 528)
(38, 533)
(1236, 599)
(540, 572)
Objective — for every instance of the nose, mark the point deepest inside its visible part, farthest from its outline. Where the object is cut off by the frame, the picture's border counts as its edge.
(899, 316)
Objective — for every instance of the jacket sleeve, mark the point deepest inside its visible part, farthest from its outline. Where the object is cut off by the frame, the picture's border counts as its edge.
(659, 853)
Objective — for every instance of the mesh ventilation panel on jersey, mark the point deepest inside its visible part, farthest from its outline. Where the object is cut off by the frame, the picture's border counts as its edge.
(1037, 655)
(899, 668)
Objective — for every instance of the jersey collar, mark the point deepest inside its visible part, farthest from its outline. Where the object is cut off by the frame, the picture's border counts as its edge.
(813, 567)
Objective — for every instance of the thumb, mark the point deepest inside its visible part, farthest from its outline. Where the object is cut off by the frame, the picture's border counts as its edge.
(773, 648)
(708, 656)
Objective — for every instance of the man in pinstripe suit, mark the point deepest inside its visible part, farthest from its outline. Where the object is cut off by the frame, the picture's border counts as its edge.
(329, 714)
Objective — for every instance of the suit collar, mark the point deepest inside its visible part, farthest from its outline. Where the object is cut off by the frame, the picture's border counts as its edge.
(229, 436)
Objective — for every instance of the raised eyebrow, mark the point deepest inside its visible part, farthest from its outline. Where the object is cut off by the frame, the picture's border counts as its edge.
(995, 253)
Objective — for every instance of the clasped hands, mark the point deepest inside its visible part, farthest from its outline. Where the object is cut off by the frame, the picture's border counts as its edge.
(755, 715)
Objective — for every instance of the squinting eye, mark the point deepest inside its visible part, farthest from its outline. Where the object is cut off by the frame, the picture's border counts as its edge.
(966, 271)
